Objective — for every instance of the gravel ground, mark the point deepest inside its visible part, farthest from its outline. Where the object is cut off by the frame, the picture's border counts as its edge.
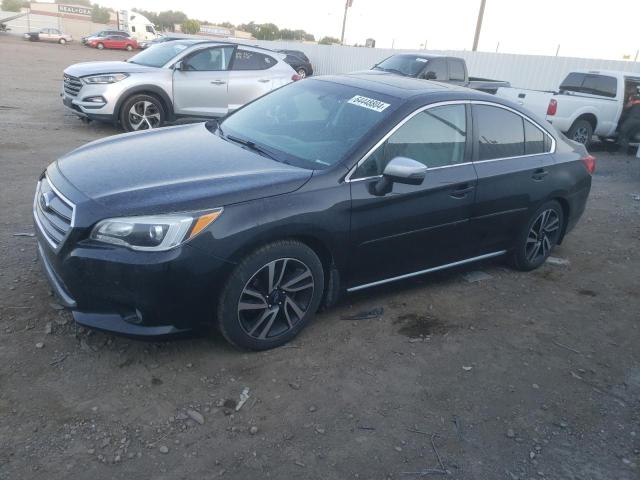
(514, 376)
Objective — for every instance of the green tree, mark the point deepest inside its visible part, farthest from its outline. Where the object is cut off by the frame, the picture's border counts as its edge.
(227, 25)
(100, 14)
(169, 18)
(267, 31)
(12, 5)
(190, 26)
(329, 41)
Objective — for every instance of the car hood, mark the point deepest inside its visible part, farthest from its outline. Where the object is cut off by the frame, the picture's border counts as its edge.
(171, 169)
(97, 68)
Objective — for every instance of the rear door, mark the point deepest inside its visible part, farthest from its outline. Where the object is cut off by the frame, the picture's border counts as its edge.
(201, 87)
(414, 227)
(45, 35)
(250, 76)
(117, 41)
(513, 174)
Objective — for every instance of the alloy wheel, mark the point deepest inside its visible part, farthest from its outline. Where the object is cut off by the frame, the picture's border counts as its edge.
(275, 298)
(542, 236)
(144, 115)
(581, 135)
(302, 72)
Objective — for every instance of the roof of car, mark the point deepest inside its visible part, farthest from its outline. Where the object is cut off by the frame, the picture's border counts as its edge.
(390, 84)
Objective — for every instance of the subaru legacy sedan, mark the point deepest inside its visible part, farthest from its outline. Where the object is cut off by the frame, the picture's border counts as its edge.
(331, 185)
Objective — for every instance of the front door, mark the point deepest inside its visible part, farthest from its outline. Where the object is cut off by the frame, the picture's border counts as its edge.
(414, 227)
(200, 87)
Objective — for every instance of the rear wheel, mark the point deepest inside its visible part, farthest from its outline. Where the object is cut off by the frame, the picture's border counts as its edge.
(581, 131)
(540, 235)
(141, 112)
(129, 48)
(271, 295)
(100, 46)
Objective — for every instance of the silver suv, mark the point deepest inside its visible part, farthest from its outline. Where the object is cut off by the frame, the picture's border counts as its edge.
(182, 78)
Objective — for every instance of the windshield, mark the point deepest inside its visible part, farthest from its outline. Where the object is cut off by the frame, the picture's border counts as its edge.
(410, 65)
(311, 124)
(159, 54)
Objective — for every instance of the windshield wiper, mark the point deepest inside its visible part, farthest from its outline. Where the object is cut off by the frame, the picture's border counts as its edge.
(251, 145)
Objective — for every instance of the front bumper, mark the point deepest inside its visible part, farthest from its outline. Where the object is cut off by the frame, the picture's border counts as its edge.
(139, 294)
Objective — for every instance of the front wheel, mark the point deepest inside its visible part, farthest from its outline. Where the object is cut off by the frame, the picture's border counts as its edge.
(129, 48)
(100, 46)
(581, 131)
(142, 112)
(62, 41)
(302, 72)
(271, 296)
(540, 235)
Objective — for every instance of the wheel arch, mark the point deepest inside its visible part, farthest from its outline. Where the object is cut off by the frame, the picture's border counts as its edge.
(566, 211)
(589, 117)
(152, 90)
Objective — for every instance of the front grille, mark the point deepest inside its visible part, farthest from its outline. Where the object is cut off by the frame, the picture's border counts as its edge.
(53, 213)
(72, 85)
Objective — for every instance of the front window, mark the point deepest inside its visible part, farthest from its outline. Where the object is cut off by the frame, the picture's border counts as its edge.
(312, 124)
(435, 137)
(150, 29)
(209, 59)
(159, 54)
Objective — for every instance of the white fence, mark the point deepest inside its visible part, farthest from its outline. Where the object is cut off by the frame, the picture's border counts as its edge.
(525, 71)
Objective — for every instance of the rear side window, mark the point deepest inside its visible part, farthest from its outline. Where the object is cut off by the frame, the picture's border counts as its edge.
(246, 60)
(534, 141)
(456, 70)
(600, 85)
(500, 132)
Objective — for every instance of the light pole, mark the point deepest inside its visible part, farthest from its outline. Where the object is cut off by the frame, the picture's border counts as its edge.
(347, 4)
(476, 38)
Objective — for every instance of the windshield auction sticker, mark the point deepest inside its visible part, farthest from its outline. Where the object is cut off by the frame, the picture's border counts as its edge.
(370, 103)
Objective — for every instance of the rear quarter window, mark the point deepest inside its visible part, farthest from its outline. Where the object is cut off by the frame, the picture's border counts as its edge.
(246, 60)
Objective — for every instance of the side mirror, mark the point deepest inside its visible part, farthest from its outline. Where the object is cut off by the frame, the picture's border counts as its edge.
(430, 75)
(400, 170)
(179, 65)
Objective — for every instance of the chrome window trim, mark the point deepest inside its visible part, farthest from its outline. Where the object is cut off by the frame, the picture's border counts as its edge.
(364, 158)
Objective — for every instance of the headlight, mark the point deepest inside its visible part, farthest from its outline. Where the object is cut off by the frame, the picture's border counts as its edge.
(152, 233)
(108, 78)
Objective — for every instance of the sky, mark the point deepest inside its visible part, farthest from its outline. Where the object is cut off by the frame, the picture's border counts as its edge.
(582, 28)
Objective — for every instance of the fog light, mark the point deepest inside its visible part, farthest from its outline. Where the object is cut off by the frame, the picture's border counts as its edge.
(98, 99)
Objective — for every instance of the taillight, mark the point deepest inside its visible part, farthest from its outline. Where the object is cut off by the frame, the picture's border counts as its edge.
(553, 107)
(295, 77)
(589, 163)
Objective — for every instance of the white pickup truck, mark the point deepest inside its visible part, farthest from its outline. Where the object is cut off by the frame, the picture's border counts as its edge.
(588, 103)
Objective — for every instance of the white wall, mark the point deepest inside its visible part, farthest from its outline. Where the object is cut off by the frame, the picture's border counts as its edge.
(525, 71)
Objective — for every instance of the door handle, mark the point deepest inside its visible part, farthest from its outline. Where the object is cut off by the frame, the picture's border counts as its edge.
(461, 191)
(264, 80)
(539, 174)
(218, 82)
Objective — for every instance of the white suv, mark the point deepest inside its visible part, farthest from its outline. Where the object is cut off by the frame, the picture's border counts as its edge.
(182, 78)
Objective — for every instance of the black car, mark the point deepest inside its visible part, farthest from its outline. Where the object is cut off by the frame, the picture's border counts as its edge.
(102, 34)
(299, 62)
(331, 185)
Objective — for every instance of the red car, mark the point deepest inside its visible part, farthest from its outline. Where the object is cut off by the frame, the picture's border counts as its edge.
(119, 42)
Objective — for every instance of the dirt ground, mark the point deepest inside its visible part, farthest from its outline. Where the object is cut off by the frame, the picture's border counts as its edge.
(516, 376)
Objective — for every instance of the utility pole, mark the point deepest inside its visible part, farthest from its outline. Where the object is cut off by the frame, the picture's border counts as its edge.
(636, 57)
(347, 4)
(476, 38)
(558, 50)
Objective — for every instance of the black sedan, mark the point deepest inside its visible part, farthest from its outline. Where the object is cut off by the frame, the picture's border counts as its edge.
(324, 186)
(299, 62)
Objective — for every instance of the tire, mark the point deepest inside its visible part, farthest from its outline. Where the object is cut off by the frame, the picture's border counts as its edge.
(62, 41)
(302, 72)
(250, 316)
(129, 48)
(142, 112)
(100, 46)
(532, 250)
(581, 131)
